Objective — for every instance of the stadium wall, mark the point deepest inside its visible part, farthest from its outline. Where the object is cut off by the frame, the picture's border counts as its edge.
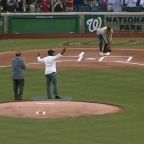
(1, 25)
(71, 22)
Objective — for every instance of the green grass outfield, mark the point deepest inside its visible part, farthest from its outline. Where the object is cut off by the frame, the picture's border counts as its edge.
(120, 87)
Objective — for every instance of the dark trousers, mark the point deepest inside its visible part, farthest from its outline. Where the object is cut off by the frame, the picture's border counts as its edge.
(101, 41)
(102, 48)
(18, 85)
(51, 78)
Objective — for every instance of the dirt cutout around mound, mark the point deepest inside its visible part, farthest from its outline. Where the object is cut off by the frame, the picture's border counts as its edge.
(55, 109)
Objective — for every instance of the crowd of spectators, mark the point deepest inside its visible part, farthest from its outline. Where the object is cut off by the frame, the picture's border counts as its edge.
(34, 6)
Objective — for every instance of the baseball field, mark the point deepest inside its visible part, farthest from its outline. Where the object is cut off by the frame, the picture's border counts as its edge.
(115, 80)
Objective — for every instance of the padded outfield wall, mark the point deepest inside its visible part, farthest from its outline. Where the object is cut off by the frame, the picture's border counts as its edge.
(1, 24)
(63, 23)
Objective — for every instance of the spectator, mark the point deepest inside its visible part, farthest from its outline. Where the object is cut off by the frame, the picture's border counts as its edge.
(26, 5)
(131, 3)
(103, 4)
(88, 1)
(95, 6)
(32, 6)
(19, 6)
(11, 5)
(69, 5)
(77, 3)
(110, 5)
(138, 2)
(142, 4)
(58, 6)
(45, 6)
(3, 5)
(117, 5)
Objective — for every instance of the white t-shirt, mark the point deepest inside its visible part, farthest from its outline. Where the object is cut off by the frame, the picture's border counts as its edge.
(50, 63)
(102, 31)
(131, 3)
(142, 3)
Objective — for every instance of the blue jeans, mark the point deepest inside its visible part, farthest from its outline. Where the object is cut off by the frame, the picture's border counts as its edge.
(101, 41)
(52, 78)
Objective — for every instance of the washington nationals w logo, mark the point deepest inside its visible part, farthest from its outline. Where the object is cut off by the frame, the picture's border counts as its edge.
(94, 24)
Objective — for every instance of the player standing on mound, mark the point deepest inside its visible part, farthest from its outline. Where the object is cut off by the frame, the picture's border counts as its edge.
(50, 71)
(105, 37)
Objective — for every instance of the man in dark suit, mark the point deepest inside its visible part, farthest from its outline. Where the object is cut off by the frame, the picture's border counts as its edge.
(18, 67)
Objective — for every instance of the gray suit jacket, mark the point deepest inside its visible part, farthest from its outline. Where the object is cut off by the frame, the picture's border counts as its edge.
(18, 67)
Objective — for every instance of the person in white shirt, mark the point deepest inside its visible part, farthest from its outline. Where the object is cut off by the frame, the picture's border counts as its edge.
(50, 71)
(110, 6)
(105, 38)
(131, 3)
(142, 3)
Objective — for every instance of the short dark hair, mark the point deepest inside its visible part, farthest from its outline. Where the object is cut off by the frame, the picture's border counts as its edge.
(108, 28)
(50, 52)
(18, 53)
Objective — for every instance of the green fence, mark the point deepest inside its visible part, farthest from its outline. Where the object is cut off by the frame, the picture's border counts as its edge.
(43, 24)
(1, 24)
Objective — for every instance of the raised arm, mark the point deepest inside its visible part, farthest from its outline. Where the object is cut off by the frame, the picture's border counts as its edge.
(63, 51)
(39, 58)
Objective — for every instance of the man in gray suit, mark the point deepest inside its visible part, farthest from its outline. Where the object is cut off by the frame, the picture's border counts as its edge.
(18, 67)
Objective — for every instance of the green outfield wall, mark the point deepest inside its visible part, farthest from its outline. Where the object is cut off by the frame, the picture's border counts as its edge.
(63, 23)
(43, 24)
(1, 25)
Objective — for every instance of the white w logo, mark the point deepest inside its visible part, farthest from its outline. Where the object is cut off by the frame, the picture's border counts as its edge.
(94, 24)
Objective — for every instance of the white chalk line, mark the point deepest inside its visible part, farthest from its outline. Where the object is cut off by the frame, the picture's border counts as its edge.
(117, 56)
(4, 66)
(93, 58)
(101, 59)
(131, 63)
(40, 113)
(81, 55)
(45, 103)
(129, 59)
(70, 56)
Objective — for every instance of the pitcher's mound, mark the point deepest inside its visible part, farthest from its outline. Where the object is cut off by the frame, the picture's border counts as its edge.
(55, 109)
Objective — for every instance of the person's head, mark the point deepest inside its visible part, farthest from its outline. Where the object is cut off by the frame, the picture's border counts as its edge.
(108, 28)
(18, 53)
(51, 52)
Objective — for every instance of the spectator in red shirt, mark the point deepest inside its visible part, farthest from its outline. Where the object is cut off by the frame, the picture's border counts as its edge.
(69, 5)
(45, 5)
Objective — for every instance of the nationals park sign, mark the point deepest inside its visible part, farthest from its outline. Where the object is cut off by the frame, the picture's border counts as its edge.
(120, 23)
